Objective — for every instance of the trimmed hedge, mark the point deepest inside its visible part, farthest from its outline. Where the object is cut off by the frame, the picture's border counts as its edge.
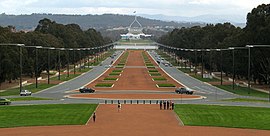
(155, 74)
(152, 70)
(117, 71)
(114, 74)
(159, 79)
(149, 64)
(110, 79)
(166, 85)
(104, 85)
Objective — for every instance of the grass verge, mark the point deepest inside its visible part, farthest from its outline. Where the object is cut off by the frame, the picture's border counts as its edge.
(244, 91)
(166, 85)
(224, 116)
(45, 115)
(104, 85)
(65, 78)
(246, 100)
(28, 99)
(110, 79)
(32, 88)
(159, 79)
(199, 77)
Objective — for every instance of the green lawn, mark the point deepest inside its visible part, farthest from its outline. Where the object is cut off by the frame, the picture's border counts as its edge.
(159, 79)
(45, 115)
(243, 91)
(224, 116)
(246, 100)
(110, 79)
(65, 78)
(28, 99)
(104, 85)
(32, 88)
(187, 70)
(166, 85)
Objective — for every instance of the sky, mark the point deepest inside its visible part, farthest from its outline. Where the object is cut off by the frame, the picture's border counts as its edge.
(187, 8)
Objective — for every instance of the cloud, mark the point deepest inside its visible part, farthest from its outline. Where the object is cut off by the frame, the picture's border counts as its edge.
(167, 7)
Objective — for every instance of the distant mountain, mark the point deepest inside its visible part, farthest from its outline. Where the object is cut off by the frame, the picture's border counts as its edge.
(105, 21)
(213, 19)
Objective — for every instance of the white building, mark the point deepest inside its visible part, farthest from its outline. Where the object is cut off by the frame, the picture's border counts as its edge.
(135, 32)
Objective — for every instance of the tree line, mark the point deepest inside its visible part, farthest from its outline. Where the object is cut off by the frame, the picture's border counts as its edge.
(223, 36)
(47, 34)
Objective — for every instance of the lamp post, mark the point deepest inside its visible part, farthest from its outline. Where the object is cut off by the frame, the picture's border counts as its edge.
(59, 62)
(249, 52)
(249, 46)
(49, 57)
(36, 61)
(74, 67)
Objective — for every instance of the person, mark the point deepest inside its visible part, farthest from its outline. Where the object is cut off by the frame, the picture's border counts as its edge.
(119, 107)
(164, 104)
(94, 117)
(172, 105)
(168, 105)
(160, 104)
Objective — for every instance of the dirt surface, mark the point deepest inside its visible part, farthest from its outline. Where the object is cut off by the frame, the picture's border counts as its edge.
(131, 120)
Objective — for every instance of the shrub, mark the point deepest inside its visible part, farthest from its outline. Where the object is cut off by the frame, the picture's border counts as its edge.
(155, 74)
(159, 79)
(114, 74)
(104, 85)
(165, 85)
(117, 71)
(152, 70)
(110, 78)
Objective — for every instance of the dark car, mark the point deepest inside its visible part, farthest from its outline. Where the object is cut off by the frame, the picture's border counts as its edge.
(86, 90)
(5, 101)
(184, 90)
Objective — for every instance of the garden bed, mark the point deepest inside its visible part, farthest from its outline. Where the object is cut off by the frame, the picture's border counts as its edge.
(159, 79)
(104, 85)
(165, 85)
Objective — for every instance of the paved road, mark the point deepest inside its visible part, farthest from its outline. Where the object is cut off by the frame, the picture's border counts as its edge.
(201, 88)
(213, 94)
(59, 91)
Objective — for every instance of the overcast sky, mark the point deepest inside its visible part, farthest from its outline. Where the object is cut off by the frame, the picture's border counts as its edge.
(187, 8)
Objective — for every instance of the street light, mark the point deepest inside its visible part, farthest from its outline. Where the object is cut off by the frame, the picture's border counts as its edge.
(49, 48)
(249, 46)
(257, 46)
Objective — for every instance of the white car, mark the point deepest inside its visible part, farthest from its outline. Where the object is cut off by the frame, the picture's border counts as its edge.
(25, 93)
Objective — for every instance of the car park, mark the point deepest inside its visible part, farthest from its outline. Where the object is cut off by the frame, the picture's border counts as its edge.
(5, 101)
(86, 90)
(184, 90)
(25, 93)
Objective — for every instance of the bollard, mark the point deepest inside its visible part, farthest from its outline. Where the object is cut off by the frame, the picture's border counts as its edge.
(105, 101)
(150, 101)
(130, 101)
(112, 101)
(137, 101)
(143, 101)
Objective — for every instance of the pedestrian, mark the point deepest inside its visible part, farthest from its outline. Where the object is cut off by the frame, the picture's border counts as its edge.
(160, 105)
(119, 106)
(168, 105)
(172, 105)
(164, 104)
(94, 117)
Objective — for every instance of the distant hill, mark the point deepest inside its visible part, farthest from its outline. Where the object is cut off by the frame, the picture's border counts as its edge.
(237, 20)
(105, 21)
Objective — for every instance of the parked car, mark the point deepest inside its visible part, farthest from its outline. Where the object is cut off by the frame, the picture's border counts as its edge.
(86, 90)
(25, 93)
(5, 101)
(183, 90)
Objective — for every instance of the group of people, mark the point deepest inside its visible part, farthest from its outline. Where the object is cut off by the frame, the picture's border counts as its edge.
(167, 105)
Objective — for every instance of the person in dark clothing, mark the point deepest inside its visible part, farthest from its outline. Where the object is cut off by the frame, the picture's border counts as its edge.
(164, 104)
(94, 117)
(160, 105)
(168, 105)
